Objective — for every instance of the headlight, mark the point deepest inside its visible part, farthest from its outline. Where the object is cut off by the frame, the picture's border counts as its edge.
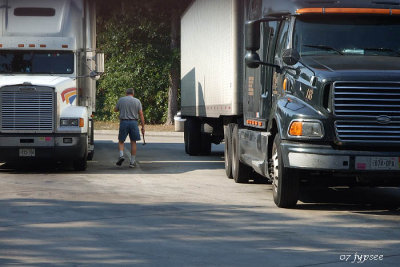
(306, 129)
(69, 122)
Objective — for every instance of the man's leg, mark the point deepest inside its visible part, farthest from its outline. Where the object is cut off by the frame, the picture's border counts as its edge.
(121, 148)
(121, 139)
(133, 152)
(121, 153)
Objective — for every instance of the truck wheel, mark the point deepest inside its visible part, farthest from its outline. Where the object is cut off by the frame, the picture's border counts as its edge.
(240, 172)
(80, 164)
(192, 136)
(205, 144)
(228, 150)
(285, 182)
(91, 140)
(90, 155)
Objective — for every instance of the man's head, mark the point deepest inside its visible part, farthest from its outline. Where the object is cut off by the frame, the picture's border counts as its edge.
(130, 91)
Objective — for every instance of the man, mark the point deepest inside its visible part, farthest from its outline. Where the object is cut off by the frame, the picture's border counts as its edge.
(130, 110)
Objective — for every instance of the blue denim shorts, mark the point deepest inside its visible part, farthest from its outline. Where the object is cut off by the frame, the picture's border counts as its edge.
(128, 127)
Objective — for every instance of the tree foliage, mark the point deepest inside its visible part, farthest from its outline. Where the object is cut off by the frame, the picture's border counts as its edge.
(135, 38)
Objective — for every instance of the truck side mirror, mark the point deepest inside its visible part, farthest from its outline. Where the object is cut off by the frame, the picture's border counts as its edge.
(252, 59)
(252, 43)
(290, 56)
(252, 38)
(100, 63)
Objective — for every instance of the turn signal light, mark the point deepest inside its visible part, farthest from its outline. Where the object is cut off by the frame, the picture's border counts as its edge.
(81, 122)
(296, 129)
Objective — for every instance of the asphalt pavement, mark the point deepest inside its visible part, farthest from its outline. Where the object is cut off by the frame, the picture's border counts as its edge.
(178, 210)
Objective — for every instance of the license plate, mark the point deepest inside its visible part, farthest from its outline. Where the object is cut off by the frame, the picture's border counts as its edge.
(377, 163)
(26, 152)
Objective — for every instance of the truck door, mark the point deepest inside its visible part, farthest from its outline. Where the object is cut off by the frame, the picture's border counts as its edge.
(258, 82)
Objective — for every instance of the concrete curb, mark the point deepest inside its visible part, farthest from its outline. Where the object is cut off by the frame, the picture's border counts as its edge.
(148, 133)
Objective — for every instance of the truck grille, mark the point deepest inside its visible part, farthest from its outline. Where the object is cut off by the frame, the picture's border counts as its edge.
(367, 112)
(27, 109)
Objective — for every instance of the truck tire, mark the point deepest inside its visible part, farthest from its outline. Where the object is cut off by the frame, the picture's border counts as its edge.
(205, 149)
(91, 140)
(240, 172)
(228, 150)
(80, 164)
(192, 136)
(285, 182)
(90, 155)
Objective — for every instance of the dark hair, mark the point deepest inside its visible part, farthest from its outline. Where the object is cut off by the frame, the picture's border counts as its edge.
(130, 91)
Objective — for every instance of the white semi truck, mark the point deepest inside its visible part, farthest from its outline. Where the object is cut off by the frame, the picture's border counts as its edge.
(48, 72)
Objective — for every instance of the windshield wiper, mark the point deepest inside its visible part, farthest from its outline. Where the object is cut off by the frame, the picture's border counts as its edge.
(324, 47)
(382, 49)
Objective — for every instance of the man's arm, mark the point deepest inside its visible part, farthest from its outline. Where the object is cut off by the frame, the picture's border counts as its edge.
(142, 120)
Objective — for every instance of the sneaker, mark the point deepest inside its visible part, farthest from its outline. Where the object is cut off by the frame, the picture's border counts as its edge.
(120, 160)
(132, 164)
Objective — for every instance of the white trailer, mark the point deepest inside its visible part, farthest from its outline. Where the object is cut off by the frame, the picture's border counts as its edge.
(211, 70)
(48, 71)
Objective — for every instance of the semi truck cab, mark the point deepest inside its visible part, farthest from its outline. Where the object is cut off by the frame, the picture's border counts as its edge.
(332, 104)
(48, 76)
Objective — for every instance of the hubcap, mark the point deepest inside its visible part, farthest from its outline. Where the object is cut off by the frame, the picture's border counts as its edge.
(275, 166)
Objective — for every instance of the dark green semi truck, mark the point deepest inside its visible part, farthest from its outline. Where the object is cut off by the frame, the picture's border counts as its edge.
(301, 92)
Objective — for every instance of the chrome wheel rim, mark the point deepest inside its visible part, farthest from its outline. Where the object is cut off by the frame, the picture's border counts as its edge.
(275, 166)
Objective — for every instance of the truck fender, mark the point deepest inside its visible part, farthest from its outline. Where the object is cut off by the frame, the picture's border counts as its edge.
(288, 109)
(72, 112)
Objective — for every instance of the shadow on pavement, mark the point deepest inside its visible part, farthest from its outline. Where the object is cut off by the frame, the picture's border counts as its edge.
(153, 158)
(44, 232)
(372, 200)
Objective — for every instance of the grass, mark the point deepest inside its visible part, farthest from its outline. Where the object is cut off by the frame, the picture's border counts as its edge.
(110, 125)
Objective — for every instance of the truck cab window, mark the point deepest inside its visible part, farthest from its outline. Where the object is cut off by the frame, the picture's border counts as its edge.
(347, 35)
(282, 40)
(36, 62)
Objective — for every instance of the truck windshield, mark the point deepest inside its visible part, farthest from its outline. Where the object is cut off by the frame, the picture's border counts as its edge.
(36, 62)
(347, 35)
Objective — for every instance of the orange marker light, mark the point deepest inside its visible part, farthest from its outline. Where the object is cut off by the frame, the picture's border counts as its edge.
(64, 46)
(309, 10)
(284, 84)
(42, 45)
(1, 45)
(32, 45)
(81, 122)
(21, 45)
(296, 128)
(379, 11)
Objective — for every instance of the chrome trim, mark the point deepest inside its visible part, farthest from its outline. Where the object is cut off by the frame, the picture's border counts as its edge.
(316, 161)
(27, 111)
(367, 112)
